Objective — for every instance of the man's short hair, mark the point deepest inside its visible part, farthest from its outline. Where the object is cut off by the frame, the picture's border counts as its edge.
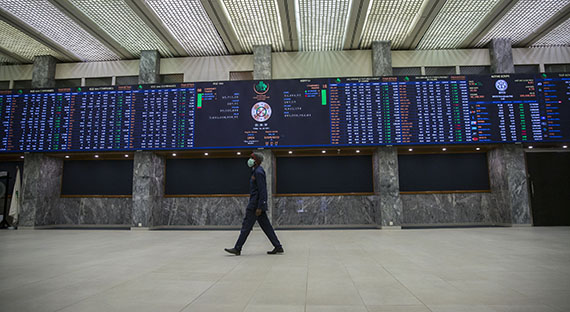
(258, 157)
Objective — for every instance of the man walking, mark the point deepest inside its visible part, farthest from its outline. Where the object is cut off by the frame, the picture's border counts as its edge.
(256, 209)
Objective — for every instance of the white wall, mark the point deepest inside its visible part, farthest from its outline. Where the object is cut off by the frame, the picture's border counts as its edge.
(353, 63)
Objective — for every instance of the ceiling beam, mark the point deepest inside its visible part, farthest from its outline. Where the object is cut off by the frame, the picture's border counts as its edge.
(289, 24)
(91, 28)
(492, 18)
(155, 24)
(14, 57)
(36, 35)
(355, 25)
(555, 21)
(428, 15)
(215, 11)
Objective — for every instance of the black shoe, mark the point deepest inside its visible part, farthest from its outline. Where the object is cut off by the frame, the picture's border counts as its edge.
(275, 250)
(234, 251)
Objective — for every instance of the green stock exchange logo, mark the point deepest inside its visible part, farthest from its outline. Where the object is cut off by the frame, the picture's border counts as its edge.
(261, 87)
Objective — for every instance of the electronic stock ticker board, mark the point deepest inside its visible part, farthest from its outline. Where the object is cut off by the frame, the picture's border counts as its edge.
(326, 112)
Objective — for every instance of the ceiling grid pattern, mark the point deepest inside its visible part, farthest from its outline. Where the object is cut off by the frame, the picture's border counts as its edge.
(390, 20)
(256, 23)
(455, 22)
(23, 45)
(118, 20)
(199, 28)
(525, 17)
(55, 25)
(322, 24)
(188, 22)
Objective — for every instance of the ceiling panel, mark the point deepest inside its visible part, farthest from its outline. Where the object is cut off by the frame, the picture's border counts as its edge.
(525, 17)
(23, 45)
(256, 22)
(559, 36)
(322, 24)
(50, 22)
(118, 20)
(189, 23)
(456, 20)
(5, 60)
(390, 20)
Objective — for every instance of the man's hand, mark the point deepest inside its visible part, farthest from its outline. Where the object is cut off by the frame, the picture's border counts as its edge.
(258, 212)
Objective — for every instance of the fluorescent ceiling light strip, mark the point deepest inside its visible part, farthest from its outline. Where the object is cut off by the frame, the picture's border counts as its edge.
(559, 36)
(118, 20)
(255, 23)
(52, 23)
(456, 20)
(525, 17)
(189, 23)
(23, 45)
(322, 24)
(390, 20)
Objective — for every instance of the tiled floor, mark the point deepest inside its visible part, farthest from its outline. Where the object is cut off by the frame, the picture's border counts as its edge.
(484, 269)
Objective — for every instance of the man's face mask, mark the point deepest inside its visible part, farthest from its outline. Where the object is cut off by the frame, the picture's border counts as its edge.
(250, 162)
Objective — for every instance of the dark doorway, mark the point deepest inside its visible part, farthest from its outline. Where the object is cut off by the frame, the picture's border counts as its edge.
(549, 181)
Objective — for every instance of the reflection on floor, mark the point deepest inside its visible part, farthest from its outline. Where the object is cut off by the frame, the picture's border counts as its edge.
(482, 269)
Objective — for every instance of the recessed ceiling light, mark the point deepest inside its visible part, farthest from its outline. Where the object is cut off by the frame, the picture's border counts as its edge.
(96, 156)
(358, 151)
(66, 156)
(119, 20)
(174, 154)
(444, 149)
(322, 24)
(524, 18)
(410, 149)
(565, 146)
(189, 23)
(22, 156)
(290, 152)
(206, 154)
(323, 152)
(255, 23)
(49, 21)
(530, 146)
(126, 155)
(478, 148)
(239, 153)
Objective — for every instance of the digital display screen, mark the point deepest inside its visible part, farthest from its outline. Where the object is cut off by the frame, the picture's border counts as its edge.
(500, 108)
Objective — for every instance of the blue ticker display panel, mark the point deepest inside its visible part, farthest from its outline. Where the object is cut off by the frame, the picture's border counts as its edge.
(285, 113)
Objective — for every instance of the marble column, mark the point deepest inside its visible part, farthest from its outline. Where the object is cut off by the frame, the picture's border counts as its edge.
(507, 165)
(381, 59)
(43, 74)
(507, 174)
(262, 62)
(269, 167)
(501, 53)
(148, 188)
(41, 186)
(387, 186)
(149, 67)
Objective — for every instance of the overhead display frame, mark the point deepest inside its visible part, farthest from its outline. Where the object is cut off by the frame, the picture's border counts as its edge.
(414, 110)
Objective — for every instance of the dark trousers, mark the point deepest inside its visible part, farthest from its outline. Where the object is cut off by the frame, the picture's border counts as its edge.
(248, 223)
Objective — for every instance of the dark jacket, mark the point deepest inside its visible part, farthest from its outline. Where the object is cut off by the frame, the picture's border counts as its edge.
(257, 190)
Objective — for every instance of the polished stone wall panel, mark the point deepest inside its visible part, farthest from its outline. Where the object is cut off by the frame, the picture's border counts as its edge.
(451, 208)
(43, 74)
(200, 211)
(325, 210)
(387, 186)
(148, 187)
(149, 67)
(381, 58)
(262, 62)
(40, 188)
